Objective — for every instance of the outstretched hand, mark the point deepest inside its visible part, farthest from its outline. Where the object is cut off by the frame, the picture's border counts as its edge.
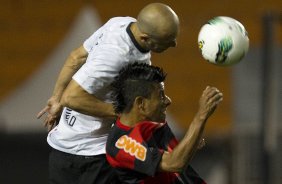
(53, 110)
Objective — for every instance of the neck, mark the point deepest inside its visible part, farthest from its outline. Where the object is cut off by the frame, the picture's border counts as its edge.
(130, 119)
(137, 35)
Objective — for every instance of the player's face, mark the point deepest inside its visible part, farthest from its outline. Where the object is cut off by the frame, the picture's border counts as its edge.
(156, 105)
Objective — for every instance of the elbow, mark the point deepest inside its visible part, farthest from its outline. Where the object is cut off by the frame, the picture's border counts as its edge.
(177, 166)
(171, 164)
(173, 167)
(74, 57)
(77, 58)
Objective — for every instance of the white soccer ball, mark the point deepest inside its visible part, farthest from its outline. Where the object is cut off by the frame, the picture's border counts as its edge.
(223, 41)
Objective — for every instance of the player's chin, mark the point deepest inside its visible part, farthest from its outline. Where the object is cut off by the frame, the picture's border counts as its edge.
(162, 118)
(159, 50)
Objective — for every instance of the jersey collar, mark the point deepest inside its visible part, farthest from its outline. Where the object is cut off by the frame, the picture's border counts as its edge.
(122, 126)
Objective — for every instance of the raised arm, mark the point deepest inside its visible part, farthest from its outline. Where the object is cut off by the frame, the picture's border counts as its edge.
(75, 60)
(184, 151)
(53, 108)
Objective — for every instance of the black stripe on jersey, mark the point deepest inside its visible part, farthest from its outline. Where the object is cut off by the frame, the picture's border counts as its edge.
(150, 165)
(163, 136)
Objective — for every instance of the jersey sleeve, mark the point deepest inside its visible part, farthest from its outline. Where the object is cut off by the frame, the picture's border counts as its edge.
(165, 138)
(89, 43)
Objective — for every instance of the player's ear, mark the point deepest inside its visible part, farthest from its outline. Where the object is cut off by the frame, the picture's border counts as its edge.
(144, 37)
(140, 103)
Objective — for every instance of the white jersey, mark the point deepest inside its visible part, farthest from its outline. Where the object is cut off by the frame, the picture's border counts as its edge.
(109, 49)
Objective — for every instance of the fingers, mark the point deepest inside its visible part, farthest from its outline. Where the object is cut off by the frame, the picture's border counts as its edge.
(210, 91)
(213, 95)
(52, 110)
(50, 122)
(216, 98)
(209, 100)
(51, 126)
(42, 112)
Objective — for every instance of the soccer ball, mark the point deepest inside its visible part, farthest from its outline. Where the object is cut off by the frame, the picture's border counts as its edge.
(223, 41)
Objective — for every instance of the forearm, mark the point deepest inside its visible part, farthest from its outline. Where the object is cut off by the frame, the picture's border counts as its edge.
(74, 61)
(79, 100)
(90, 105)
(189, 144)
(184, 151)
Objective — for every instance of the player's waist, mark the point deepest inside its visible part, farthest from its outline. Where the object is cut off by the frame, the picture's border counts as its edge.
(78, 146)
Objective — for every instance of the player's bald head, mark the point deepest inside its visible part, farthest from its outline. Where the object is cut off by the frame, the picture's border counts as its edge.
(158, 20)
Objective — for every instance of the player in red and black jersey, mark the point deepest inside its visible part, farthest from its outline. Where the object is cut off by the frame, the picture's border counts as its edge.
(141, 146)
(137, 152)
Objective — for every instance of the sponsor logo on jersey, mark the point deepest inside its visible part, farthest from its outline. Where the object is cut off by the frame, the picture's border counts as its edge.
(132, 147)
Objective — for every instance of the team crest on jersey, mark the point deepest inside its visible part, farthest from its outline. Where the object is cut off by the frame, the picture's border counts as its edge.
(132, 147)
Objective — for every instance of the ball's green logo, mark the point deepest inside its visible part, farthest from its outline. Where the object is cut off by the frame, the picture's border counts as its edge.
(224, 46)
(215, 21)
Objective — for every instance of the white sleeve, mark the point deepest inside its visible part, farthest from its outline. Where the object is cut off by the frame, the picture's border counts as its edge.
(102, 65)
(92, 40)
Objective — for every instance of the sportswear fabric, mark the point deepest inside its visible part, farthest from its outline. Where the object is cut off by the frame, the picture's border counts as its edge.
(88, 168)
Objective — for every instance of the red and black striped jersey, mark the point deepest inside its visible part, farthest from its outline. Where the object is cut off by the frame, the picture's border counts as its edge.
(135, 153)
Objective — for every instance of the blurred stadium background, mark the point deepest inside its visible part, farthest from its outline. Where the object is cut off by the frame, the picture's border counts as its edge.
(243, 137)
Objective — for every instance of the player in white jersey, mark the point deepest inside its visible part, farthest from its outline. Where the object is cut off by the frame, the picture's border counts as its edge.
(78, 141)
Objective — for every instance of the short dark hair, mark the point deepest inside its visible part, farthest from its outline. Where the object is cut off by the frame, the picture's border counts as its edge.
(135, 79)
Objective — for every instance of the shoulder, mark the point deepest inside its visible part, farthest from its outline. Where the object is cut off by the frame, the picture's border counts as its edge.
(113, 36)
(117, 23)
(121, 20)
